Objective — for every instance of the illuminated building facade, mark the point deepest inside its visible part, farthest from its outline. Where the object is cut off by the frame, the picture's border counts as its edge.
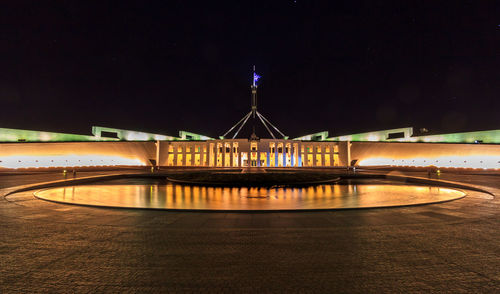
(250, 153)
(31, 149)
(117, 147)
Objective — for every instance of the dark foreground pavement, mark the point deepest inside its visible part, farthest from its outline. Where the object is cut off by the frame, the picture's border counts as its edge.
(449, 247)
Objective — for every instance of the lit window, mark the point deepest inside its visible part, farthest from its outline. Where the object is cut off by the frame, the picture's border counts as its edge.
(335, 159)
(253, 146)
(309, 160)
(170, 148)
(271, 147)
(179, 149)
(211, 154)
(318, 149)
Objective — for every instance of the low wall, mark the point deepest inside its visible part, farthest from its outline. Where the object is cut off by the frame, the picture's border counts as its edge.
(425, 154)
(18, 155)
(15, 155)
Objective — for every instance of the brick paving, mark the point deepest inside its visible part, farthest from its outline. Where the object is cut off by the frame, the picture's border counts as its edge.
(54, 248)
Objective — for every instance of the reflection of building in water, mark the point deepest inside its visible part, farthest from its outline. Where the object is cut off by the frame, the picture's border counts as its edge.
(173, 196)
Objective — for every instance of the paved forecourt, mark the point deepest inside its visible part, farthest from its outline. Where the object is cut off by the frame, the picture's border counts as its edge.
(50, 247)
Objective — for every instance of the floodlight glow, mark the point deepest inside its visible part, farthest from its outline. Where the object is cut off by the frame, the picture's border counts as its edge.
(69, 160)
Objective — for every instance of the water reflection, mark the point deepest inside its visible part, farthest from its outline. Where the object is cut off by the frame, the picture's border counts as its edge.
(173, 196)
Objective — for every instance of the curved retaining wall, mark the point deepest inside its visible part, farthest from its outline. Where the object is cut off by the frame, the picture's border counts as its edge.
(438, 154)
(141, 152)
(482, 155)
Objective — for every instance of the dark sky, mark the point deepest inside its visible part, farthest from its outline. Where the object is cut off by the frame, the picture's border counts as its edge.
(164, 66)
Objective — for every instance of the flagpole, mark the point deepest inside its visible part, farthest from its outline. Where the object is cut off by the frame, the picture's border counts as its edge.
(254, 93)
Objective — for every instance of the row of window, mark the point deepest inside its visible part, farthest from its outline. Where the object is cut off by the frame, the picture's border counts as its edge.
(197, 148)
(254, 147)
(261, 159)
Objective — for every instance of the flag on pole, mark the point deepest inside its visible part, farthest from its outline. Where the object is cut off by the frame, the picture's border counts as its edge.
(256, 77)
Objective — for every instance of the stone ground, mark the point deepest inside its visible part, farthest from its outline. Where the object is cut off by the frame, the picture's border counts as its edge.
(449, 247)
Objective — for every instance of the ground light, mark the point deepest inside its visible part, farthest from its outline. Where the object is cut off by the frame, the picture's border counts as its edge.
(69, 160)
(471, 161)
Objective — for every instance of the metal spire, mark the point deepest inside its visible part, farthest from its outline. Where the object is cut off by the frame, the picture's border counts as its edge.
(254, 113)
(254, 75)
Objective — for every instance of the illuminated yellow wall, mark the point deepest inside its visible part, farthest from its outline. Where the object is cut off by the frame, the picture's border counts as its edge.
(426, 154)
(272, 154)
(280, 154)
(170, 160)
(219, 151)
(170, 153)
(263, 159)
(309, 160)
(227, 154)
(318, 160)
(366, 153)
(18, 155)
(211, 154)
(141, 153)
(244, 159)
(235, 154)
(288, 154)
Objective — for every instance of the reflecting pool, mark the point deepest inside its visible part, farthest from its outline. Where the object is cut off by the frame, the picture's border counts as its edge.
(175, 196)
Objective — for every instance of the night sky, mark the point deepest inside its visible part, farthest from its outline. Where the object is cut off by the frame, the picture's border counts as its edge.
(164, 66)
